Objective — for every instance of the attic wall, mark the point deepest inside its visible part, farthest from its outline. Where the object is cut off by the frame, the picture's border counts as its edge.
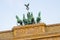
(6, 35)
(53, 28)
(28, 30)
(51, 38)
(21, 32)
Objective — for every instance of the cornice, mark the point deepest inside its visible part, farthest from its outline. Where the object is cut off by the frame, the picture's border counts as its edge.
(52, 25)
(6, 31)
(29, 26)
(43, 35)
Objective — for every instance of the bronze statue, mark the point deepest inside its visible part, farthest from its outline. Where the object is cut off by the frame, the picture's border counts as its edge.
(25, 21)
(30, 19)
(27, 6)
(18, 20)
(38, 18)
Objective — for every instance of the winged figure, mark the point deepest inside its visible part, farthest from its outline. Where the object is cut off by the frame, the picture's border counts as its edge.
(27, 6)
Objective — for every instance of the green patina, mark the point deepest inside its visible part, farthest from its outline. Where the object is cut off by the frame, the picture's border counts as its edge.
(30, 18)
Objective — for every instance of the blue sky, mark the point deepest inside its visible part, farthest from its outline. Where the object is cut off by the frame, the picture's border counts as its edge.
(50, 11)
